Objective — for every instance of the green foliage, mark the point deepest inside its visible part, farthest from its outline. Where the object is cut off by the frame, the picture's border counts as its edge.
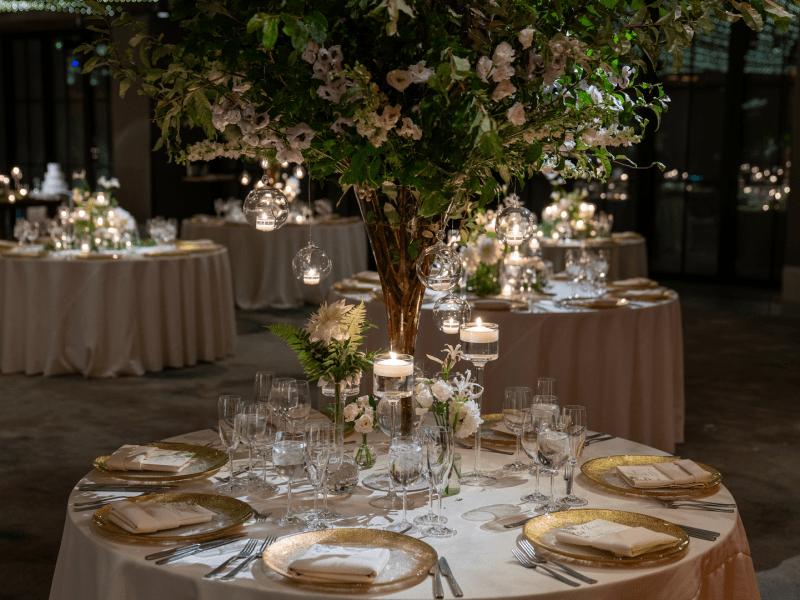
(486, 280)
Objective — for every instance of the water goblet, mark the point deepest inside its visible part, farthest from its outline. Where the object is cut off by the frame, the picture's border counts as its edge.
(439, 453)
(282, 396)
(405, 467)
(288, 457)
(297, 414)
(230, 426)
(257, 428)
(516, 405)
(575, 417)
(553, 451)
(318, 451)
(533, 424)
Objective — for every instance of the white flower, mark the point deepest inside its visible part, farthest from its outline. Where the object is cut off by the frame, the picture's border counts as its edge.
(289, 155)
(409, 129)
(326, 92)
(364, 424)
(245, 127)
(420, 73)
(471, 419)
(338, 123)
(425, 398)
(490, 250)
(597, 97)
(310, 53)
(483, 68)
(108, 183)
(79, 174)
(363, 402)
(398, 79)
(526, 37)
(442, 390)
(300, 136)
(239, 88)
(503, 90)
(321, 70)
(369, 411)
(325, 324)
(502, 73)
(351, 412)
(251, 139)
(335, 53)
(388, 118)
(516, 114)
(503, 54)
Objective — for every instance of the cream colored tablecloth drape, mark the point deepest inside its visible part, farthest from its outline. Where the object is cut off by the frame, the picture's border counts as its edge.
(625, 365)
(91, 567)
(103, 318)
(261, 261)
(626, 257)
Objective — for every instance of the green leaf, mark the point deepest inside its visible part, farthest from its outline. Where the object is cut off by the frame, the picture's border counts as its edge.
(317, 26)
(533, 152)
(256, 22)
(391, 214)
(269, 34)
(460, 67)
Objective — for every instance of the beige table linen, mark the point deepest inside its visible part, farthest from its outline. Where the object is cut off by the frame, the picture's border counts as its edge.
(104, 318)
(261, 261)
(624, 365)
(91, 567)
(627, 257)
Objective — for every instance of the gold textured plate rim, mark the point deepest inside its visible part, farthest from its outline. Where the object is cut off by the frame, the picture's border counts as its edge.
(596, 303)
(535, 529)
(502, 439)
(11, 254)
(636, 286)
(218, 456)
(595, 468)
(96, 256)
(653, 297)
(202, 249)
(168, 253)
(236, 510)
(277, 555)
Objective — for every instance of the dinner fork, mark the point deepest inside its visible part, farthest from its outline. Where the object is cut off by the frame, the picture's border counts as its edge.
(269, 540)
(526, 562)
(248, 548)
(669, 503)
(261, 517)
(528, 549)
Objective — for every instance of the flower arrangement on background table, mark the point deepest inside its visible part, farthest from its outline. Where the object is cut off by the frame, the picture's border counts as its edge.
(571, 217)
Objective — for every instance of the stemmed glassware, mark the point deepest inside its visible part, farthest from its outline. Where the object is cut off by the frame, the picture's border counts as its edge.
(261, 437)
(553, 451)
(262, 386)
(335, 458)
(318, 452)
(21, 230)
(479, 345)
(532, 426)
(439, 453)
(244, 440)
(575, 418)
(288, 457)
(546, 386)
(282, 396)
(405, 467)
(230, 427)
(516, 405)
(297, 414)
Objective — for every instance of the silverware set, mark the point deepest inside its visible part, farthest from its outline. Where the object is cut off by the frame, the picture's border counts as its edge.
(247, 555)
(172, 555)
(600, 437)
(701, 534)
(442, 568)
(530, 564)
(142, 490)
(530, 551)
(483, 448)
(696, 505)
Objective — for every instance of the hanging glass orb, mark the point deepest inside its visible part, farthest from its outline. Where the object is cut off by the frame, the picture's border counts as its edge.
(439, 267)
(266, 208)
(311, 264)
(515, 225)
(450, 312)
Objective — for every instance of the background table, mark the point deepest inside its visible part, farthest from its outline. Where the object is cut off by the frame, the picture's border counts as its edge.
(627, 257)
(625, 365)
(262, 261)
(91, 567)
(103, 318)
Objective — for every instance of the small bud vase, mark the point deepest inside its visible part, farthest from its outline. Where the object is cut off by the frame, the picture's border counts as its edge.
(364, 454)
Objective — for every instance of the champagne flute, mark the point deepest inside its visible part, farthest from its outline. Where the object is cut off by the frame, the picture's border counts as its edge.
(405, 467)
(318, 452)
(230, 424)
(255, 420)
(575, 416)
(516, 405)
(244, 440)
(265, 445)
(553, 451)
(334, 462)
(440, 452)
(288, 456)
(297, 414)
(532, 425)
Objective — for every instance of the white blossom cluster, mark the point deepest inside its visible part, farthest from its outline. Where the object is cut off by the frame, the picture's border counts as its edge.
(361, 414)
(457, 407)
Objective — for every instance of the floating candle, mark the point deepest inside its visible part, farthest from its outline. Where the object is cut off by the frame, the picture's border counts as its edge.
(451, 326)
(480, 333)
(393, 367)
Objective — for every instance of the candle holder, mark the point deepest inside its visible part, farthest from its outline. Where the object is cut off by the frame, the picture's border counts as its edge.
(450, 312)
(479, 345)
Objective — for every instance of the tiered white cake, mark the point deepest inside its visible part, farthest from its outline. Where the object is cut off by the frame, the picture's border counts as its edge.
(54, 183)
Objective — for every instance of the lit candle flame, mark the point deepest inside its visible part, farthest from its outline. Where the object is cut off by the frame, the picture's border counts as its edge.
(392, 355)
(478, 321)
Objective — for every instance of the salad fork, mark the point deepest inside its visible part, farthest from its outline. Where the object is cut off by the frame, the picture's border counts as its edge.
(269, 540)
(249, 547)
(526, 562)
(531, 552)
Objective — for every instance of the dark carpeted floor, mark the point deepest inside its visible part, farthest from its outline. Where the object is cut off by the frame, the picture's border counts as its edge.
(742, 362)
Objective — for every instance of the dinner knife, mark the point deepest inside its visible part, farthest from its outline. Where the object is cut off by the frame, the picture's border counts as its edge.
(171, 551)
(518, 523)
(445, 570)
(189, 552)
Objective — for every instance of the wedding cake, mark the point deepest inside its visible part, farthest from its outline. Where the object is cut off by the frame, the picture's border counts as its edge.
(54, 183)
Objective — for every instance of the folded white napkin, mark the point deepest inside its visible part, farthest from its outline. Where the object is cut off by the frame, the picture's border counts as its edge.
(614, 537)
(150, 516)
(681, 473)
(345, 564)
(148, 458)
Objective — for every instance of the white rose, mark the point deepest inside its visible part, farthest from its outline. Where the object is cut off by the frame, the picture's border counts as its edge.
(425, 398)
(399, 79)
(471, 419)
(526, 37)
(420, 73)
(369, 411)
(362, 401)
(483, 68)
(364, 424)
(503, 90)
(516, 114)
(503, 54)
(441, 390)
(351, 412)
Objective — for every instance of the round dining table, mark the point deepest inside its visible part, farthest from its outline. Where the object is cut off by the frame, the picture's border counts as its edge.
(261, 261)
(627, 253)
(624, 364)
(123, 313)
(93, 567)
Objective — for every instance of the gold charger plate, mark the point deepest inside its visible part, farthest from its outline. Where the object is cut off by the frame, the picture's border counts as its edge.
(207, 461)
(167, 253)
(627, 295)
(12, 254)
(202, 249)
(489, 435)
(636, 286)
(95, 256)
(603, 471)
(231, 513)
(542, 531)
(596, 303)
(410, 558)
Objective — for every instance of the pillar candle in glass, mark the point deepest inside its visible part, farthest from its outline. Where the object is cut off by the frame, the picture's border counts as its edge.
(393, 376)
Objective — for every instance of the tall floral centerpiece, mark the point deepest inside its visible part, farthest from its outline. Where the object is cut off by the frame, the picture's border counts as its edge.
(417, 104)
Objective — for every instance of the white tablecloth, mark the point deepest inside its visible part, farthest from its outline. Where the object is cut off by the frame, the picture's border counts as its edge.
(91, 567)
(627, 257)
(103, 318)
(625, 365)
(262, 261)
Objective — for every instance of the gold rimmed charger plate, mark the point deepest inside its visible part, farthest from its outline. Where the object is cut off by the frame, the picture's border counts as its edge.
(410, 558)
(622, 287)
(603, 471)
(489, 435)
(95, 256)
(206, 461)
(230, 514)
(542, 531)
(12, 254)
(168, 253)
(202, 249)
(627, 295)
(597, 303)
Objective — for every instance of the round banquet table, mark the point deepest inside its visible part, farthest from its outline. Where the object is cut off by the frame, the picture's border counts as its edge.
(93, 567)
(624, 364)
(103, 318)
(627, 255)
(262, 261)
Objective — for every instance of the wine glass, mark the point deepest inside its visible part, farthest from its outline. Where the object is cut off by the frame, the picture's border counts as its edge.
(230, 426)
(256, 426)
(67, 234)
(546, 386)
(262, 386)
(575, 417)
(288, 457)
(282, 394)
(170, 230)
(439, 451)
(516, 405)
(32, 232)
(405, 467)
(21, 230)
(532, 425)
(318, 452)
(244, 440)
(601, 266)
(264, 446)
(553, 451)
(297, 414)
(334, 463)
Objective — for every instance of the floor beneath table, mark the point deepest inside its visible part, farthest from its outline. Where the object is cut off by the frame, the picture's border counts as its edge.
(742, 355)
